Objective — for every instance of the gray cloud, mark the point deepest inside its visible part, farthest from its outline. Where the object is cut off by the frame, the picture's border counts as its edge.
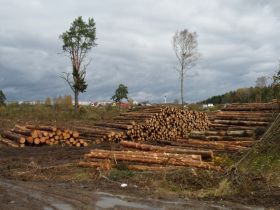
(238, 41)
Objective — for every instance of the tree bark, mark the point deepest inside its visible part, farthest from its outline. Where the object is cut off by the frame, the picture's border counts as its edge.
(182, 86)
(76, 95)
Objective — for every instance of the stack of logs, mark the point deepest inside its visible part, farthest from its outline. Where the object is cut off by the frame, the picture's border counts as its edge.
(243, 116)
(266, 107)
(234, 129)
(149, 124)
(149, 157)
(146, 124)
(21, 136)
(170, 123)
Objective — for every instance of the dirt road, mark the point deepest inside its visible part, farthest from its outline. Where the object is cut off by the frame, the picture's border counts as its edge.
(48, 178)
(34, 195)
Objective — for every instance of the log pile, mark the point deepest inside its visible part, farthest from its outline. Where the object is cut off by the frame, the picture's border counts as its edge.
(146, 124)
(244, 116)
(272, 106)
(149, 157)
(234, 129)
(98, 133)
(31, 135)
(150, 124)
(170, 123)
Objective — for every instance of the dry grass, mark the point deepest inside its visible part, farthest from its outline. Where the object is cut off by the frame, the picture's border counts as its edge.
(15, 113)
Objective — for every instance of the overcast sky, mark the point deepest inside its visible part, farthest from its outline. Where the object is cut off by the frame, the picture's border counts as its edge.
(238, 40)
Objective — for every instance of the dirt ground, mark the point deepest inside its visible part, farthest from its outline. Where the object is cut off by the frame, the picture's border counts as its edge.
(49, 178)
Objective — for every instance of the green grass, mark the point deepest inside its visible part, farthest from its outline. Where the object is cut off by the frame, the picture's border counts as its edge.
(24, 112)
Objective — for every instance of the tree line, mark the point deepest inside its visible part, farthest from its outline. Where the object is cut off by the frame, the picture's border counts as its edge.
(262, 92)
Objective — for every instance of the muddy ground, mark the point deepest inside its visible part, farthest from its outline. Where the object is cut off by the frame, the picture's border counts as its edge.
(48, 178)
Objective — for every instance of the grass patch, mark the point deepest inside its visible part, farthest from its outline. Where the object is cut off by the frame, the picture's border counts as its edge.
(116, 174)
(40, 113)
(81, 176)
(223, 160)
(225, 188)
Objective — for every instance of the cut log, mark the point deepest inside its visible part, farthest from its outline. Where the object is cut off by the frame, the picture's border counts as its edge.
(37, 141)
(239, 122)
(9, 143)
(210, 145)
(42, 127)
(22, 132)
(244, 118)
(196, 144)
(217, 126)
(113, 125)
(30, 139)
(145, 154)
(235, 133)
(153, 159)
(76, 134)
(13, 136)
(220, 138)
(207, 154)
(153, 168)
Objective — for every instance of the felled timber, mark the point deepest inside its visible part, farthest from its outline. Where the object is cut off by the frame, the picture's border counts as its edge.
(107, 154)
(198, 144)
(241, 122)
(205, 154)
(41, 127)
(113, 125)
(9, 143)
(20, 139)
(157, 168)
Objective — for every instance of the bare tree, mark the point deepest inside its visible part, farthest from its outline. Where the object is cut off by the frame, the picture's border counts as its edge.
(261, 82)
(185, 48)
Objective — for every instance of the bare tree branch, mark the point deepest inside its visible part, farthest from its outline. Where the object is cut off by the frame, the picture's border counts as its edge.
(66, 77)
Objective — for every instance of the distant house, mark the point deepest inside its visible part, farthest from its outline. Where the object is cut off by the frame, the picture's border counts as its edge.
(124, 105)
(84, 103)
(205, 106)
(28, 102)
(100, 103)
(135, 102)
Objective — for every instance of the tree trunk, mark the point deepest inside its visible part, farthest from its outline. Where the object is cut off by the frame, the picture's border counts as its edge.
(182, 86)
(76, 94)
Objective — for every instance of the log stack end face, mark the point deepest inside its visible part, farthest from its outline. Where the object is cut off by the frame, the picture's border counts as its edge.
(167, 123)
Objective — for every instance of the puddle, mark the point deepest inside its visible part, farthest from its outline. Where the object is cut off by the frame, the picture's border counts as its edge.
(62, 206)
(110, 201)
(47, 208)
(106, 202)
(59, 206)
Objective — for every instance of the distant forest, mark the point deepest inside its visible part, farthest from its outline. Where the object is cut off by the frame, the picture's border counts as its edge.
(246, 95)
